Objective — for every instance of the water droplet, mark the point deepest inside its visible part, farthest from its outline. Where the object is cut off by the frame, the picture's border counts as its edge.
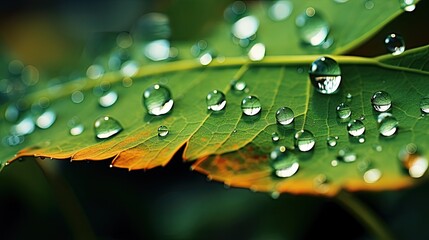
(304, 140)
(127, 82)
(157, 50)
(408, 5)
(13, 140)
(362, 117)
(361, 139)
(108, 99)
(424, 105)
(280, 10)
(325, 75)
(395, 44)
(356, 128)
(238, 85)
(77, 97)
(275, 137)
(349, 97)
(12, 113)
(216, 100)
(24, 127)
(283, 162)
(381, 101)
(251, 105)
(334, 163)
(95, 71)
(30, 75)
(46, 119)
(257, 52)
(377, 147)
(284, 116)
(206, 58)
(275, 195)
(372, 175)
(387, 124)
(312, 28)
(346, 155)
(341, 1)
(412, 161)
(75, 126)
(163, 131)
(157, 100)
(245, 27)
(129, 68)
(106, 127)
(332, 141)
(343, 111)
(369, 4)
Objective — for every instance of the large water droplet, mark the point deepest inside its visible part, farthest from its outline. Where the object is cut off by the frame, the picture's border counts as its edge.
(106, 127)
(381, 101)
(283, 162)
(412, 161)
(372, 175)
(157, 50)
(251, 105)
(108, 99)
(343, 111)
(46, 119)
(257, 52)
(157, 100)
(75, 126)
(280, 10)
(387, 124)
(304, 140)
(347, 155)
(394, 43)
(275, 137)
(424, 105)
(332, 141)
(325, 75)
(356, 128)
(163, 131)
(284, 116)
(245, 27)
(408, 5)
(312, 27)
(216, 100)
(24, 127)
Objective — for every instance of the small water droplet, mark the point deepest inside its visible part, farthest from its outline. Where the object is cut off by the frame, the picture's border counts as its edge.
(334, 163)
(245, 27)
(343, 111)
(129, 68)
(283, 162)
(215, 100)
(377, 147)
(284, 116)
(257, 52)
(12, 113)
(275, 137)
(362, 117)
(361, 139)
(106, 127)
(157, 100)
(395, 44)
(346, 155)
(349, 97)
(304, 140)
(372, 175)
(387, 124)
(24, 127)
(13, 140)
(408, 5)
(280, 10)
(356, 128)
(95, 71)
(108, 99)
(163, 131)
(46, 119)
(77, 97)
(312, 28)
(325, 75)
(332, 141)
(234, 131)
(207, 57)
(127, 82)
(369, 4)
(238, 85)
(381, 101)
(157, 50)
(424, 105)
(251, 105)
(75, 126)
(275, 195)
(413, 161)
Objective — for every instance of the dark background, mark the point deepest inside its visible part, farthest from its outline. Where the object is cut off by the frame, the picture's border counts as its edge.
(86, 199)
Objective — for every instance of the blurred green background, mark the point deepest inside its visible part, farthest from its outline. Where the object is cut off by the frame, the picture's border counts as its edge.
(81, 200)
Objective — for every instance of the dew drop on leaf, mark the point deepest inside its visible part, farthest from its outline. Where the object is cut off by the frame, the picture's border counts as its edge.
(77, 97)
(395, 44)
(343, 111)
(95, 71)
(280, 10)
(106, 127)
(13, 140)
(284, 116)
(369, 4)
(46, 119)
(332, 141)
(157, 50)
(304, 140)
(424, 105)
(387, 124)
(381, 101)
(312, 28)
(245, 27)
(24, 127)
(251, 105)
(215, 100)
(163, 131)
(257, 52)
(157, 100)
(275, 137)
(346, 155)
(75, 126)
(408, 5)
(356, 128)
(11, 113)
(372, 175)
(238, 85)
(283, 162)
(325, 75)
(413, 161)
(129, 68)
(206, 58)
(108, 99)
